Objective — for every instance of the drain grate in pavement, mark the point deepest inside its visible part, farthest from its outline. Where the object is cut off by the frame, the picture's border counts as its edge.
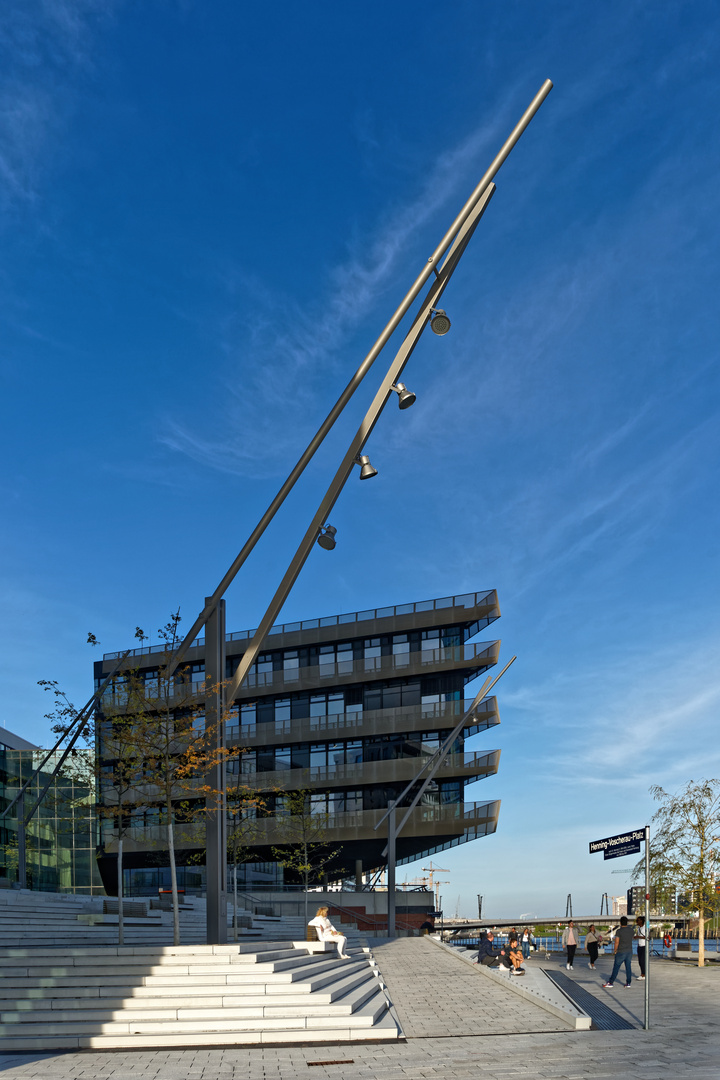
(603, 1018)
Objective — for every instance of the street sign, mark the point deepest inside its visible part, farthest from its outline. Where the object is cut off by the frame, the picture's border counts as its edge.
(629, 843)
(613, 847)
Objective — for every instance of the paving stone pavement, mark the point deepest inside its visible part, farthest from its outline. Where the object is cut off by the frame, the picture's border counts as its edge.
(683, 1043)
(436, 995)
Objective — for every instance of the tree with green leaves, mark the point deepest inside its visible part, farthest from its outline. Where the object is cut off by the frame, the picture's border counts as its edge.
(117, 781)
(161, 712)
(242, 807)
(685, 849)
(303, 827)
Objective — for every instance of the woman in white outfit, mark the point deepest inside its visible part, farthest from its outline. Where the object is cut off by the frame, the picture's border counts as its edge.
(327, 932)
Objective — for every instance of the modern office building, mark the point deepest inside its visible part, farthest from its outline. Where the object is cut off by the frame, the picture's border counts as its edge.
(61, 838)
(344, 708)
(661, 900)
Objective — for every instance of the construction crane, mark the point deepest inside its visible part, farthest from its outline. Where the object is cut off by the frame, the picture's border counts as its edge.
(435, 885)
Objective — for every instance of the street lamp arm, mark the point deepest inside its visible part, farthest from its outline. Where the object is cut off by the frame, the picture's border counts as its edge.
(430, 267)
(361, 436)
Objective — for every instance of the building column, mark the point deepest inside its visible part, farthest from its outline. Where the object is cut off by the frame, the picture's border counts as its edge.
(215, 823)
(22, 849)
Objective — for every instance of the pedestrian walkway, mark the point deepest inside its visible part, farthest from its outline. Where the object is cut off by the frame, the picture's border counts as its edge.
(435, 994)
(682, 1043)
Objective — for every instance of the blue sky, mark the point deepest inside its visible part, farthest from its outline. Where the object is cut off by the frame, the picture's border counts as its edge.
(209, 212)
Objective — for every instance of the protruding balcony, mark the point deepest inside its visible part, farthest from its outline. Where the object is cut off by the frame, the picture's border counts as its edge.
(438, 715)
(363, 773)
(470, 658)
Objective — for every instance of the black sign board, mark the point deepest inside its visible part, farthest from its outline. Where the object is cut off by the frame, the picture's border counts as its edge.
(613, 847)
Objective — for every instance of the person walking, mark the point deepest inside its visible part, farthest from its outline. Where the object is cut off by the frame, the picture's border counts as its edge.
(526, 941)
(622, 946)
(570, 941)
(640, 936)
(592, 944)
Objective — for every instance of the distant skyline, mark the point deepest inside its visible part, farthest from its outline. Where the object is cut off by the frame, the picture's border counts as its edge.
(209, 212)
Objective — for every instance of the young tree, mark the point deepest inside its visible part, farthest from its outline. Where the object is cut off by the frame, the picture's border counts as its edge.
(304, 828)
(242, 807)
(116, 782)
(685, 847)
(163, 715)
(118, 790)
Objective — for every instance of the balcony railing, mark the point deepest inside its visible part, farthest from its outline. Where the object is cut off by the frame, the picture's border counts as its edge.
(465, 600)
(429, 819)
(336, 672)
(365, 772)
(377, 667)
(364, 724)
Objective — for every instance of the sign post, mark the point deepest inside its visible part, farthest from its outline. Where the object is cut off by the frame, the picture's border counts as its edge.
(648, 947)
(614, 847)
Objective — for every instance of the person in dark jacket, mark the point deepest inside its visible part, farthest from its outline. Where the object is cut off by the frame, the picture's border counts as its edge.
(488, 955)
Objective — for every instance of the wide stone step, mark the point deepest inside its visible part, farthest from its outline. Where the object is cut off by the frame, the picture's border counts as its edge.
(50, 1021)
(224, 1030)
(338, 982)
(222, 988)
(180, 967)
(346, 1000)
(254, 952)
(315, 973)
(383, 1030)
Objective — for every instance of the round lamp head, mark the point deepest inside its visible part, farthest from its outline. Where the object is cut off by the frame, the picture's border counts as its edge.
(366, 469)
(406, 398)
(440, 324)
(326, 539)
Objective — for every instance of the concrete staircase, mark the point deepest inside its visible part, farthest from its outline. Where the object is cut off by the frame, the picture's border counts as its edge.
(195, 995)
(61, 919)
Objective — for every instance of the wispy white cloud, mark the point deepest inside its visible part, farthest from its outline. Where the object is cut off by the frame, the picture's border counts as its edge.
(295, 348)
(623, 718)
(42, 44)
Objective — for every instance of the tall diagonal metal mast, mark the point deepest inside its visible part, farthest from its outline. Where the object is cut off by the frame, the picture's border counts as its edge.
(430, 267)
(455, 239)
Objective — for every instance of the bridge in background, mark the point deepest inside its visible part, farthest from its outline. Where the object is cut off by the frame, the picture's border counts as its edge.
(463, 925)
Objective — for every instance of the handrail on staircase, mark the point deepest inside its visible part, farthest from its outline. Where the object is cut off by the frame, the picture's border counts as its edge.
(369, 918)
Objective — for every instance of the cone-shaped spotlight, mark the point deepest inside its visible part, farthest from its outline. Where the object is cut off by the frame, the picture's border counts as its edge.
(326, 539)
(406, 398)
(439, 324)
(366, 469)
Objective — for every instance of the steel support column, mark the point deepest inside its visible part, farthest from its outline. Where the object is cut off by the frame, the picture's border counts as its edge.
(22, 848)
(215, 826)
(391, 870)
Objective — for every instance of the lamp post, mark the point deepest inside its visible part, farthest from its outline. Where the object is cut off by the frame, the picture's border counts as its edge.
(450, 248)
(432, 764)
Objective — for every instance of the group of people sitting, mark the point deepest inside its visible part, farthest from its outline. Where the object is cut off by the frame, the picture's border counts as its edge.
(511, 957)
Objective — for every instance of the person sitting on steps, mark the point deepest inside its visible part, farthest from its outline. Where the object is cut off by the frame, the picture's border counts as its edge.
(327, 932)
(488, 955)
(515, 955)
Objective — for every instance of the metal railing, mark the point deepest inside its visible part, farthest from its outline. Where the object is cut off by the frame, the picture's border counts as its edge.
(464, 600)
(395, 768)
(425, 717)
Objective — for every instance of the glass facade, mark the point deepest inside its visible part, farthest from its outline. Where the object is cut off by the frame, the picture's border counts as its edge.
(61, 838)
(347, 709)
